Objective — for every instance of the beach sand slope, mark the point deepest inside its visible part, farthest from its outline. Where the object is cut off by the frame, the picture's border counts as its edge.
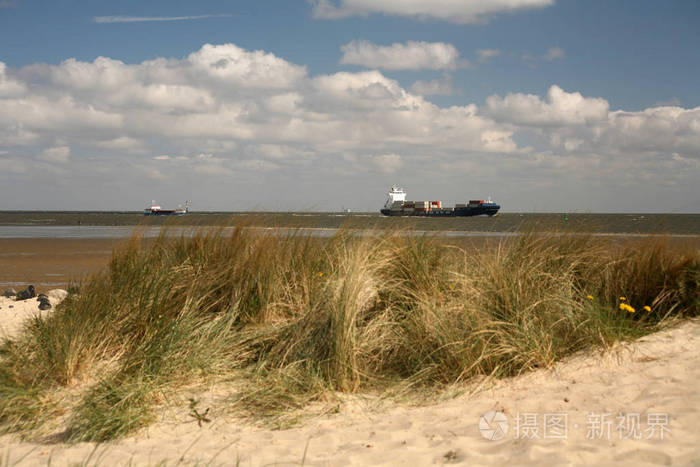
(14, 314)
(637, 404)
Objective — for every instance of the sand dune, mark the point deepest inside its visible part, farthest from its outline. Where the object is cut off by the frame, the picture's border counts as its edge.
(13, 314)
(638, 404)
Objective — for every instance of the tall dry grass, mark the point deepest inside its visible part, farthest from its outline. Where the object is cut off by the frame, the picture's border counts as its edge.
(294, 318)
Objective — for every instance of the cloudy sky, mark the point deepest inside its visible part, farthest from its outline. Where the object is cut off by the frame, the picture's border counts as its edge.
(544, 105)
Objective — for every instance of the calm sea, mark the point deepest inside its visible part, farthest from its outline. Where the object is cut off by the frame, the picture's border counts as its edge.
(51, 224)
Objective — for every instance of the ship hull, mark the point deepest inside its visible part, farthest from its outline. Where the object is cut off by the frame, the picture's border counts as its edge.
(164, 213)
(457, 212)
(477, 211)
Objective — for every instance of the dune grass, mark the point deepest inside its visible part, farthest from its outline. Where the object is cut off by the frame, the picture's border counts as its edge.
(294, 319)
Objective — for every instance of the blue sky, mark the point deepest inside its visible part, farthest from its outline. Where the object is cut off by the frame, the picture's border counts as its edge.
(566, 105)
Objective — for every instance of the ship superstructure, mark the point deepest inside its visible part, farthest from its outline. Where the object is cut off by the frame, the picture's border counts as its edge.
(396, 195)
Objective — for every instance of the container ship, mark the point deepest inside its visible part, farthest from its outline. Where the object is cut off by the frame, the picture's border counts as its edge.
(396, 205)
(155, 210)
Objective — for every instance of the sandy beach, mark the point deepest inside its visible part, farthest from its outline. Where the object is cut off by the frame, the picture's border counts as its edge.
(636, 404)
(14, 314)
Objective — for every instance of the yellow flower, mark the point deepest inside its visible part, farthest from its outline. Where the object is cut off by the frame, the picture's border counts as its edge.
(320, 274)
(452, 287)
(626, 307)
(590, 297)
(647, 307)
(623, 299)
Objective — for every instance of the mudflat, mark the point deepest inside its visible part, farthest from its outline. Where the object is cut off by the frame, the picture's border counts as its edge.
(49, 263)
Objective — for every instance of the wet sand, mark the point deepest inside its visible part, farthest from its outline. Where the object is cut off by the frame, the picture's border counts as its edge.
(50, 263)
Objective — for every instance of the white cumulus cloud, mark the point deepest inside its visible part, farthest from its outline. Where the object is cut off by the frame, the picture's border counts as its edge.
(440, 86)
(386, 163)
(57, 154)
(554, 53)
(456, 11)
(235, 122)
(412, 55)
(234, 65)
(559, 108)
(486, 54)
(8, 86)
